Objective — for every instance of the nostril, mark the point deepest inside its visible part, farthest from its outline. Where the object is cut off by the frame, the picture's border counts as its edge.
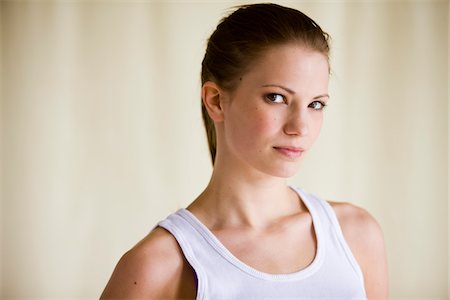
(296, 126)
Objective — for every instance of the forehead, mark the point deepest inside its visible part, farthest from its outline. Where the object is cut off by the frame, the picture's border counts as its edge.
(295, 66)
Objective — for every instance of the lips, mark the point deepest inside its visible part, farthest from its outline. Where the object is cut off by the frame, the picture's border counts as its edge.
(289, 151)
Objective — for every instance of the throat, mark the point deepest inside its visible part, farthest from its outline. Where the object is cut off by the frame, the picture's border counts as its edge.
(222, 210)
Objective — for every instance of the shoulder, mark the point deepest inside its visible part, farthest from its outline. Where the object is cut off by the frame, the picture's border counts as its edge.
(361, 231)
(154, 268)
(356, 222)
(365, 238)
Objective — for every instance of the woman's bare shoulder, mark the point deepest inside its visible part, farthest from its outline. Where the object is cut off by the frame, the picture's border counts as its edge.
(364, 236)
(357, 224)
(155, 268)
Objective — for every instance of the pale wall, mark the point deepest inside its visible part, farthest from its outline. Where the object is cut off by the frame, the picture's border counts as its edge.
(102, 135)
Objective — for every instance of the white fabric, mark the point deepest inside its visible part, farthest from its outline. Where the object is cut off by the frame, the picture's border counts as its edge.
(333, 274)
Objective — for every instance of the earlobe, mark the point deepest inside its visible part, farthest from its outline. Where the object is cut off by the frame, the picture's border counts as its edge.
(212, 99)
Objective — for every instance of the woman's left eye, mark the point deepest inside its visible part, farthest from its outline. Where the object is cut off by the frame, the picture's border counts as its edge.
(275, 98)
(317, 105)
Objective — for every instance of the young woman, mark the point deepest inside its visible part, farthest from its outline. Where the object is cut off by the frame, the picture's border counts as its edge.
(249, 235)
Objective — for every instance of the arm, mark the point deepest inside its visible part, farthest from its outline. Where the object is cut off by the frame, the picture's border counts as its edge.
(154, 269)
(365, 238)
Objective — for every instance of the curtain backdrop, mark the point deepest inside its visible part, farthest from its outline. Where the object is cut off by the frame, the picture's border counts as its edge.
(101, 133)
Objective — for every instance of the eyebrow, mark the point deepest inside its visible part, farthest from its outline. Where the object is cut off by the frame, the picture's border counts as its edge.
(292, 92)
(322, 96)
(281, 87)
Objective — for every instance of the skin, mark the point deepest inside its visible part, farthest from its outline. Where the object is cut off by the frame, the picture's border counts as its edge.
(247, 204)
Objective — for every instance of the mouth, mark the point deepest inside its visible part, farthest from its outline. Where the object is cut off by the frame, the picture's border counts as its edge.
(290, 152)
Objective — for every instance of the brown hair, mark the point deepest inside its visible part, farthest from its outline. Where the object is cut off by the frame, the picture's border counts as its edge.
(243, 36)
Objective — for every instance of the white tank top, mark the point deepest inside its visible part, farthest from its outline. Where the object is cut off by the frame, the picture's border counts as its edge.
(333, 274)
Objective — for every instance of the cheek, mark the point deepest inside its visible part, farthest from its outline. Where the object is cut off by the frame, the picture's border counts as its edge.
(260, 123)
(317, 124)
(253, 124)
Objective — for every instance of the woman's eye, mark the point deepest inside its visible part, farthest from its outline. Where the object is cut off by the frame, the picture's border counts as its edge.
(317, 105)
(275, 98)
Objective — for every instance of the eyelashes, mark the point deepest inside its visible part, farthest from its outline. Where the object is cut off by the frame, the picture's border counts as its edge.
(318, 105)
(275, 98)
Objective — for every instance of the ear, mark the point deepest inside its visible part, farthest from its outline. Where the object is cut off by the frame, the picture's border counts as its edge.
(212, 97)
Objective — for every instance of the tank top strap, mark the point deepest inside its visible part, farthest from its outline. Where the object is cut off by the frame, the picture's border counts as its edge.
(190, 243)
(331, 226)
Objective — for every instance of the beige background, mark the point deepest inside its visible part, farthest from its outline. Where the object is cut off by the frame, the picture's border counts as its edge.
(101, 134)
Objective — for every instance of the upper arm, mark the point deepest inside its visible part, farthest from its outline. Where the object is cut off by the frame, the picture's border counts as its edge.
(153, 269)
(365, 238)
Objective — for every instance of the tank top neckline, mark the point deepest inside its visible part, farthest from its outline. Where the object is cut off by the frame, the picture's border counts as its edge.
(225, 253)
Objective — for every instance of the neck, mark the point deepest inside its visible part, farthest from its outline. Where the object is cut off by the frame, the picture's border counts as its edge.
(237, 196)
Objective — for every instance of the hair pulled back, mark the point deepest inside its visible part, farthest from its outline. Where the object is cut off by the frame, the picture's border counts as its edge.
(243, 36)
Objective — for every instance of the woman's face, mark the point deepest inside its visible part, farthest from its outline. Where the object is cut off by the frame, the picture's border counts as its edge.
(275, 114)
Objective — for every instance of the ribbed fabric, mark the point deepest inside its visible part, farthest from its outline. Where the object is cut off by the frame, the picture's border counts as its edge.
(333, 274)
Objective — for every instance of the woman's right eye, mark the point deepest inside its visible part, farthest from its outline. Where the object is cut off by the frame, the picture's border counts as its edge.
(275, 98)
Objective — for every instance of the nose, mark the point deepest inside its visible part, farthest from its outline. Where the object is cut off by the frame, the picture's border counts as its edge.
(298, 122)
